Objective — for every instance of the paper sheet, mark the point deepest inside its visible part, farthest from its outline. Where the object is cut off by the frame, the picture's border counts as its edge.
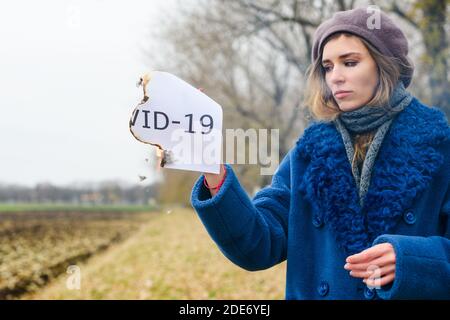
(183, 121)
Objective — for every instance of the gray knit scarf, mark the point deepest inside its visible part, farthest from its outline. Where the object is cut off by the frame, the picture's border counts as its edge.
(367, 119)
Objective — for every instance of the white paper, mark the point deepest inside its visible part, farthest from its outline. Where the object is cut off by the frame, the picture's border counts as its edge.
(182, 120)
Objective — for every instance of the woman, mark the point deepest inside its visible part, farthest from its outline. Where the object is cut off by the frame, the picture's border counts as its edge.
(360, 205)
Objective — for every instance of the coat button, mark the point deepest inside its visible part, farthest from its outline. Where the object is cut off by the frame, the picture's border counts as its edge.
(323, 288)
(317, 221)
(409, 217)
(369, 294)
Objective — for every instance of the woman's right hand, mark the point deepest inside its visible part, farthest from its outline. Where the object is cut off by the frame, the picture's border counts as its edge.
(213, 179)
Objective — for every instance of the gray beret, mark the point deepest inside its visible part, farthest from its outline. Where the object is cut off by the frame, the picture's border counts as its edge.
(386, 36)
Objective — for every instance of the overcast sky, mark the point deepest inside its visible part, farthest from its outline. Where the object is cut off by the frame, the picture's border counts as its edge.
(67, 89)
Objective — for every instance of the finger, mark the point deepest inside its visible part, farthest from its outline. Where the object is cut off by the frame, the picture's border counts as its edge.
(372, 265)
(159, 155)
(380, 262)
(377, 272)
(383, 271)
(361, 273)
(379, 282)
(370, 253)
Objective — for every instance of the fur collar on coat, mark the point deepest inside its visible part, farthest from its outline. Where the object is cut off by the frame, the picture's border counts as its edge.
(407, 160)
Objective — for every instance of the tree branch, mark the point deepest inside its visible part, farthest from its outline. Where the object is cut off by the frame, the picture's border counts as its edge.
(396, 9)
(280, 17)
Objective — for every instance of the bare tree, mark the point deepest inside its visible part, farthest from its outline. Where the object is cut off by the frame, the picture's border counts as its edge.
(248, 71)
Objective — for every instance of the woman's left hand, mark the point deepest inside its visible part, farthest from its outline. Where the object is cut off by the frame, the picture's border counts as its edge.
(376, 265)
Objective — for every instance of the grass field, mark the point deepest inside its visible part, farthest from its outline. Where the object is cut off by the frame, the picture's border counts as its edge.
(171, 256)
(36, 246)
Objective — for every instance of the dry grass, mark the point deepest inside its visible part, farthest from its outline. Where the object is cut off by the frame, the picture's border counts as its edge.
(170, 257)
(37, 246)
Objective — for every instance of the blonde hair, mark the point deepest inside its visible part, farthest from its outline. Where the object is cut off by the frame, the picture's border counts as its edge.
(322, 105)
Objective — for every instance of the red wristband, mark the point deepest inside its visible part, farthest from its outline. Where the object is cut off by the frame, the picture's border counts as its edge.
(220, 183)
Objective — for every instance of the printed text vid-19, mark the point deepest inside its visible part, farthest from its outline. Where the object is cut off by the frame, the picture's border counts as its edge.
(161, 121)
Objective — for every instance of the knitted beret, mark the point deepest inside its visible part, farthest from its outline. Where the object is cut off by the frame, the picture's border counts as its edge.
(374, 26)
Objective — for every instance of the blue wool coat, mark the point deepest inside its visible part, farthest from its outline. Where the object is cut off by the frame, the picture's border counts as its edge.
(311, 216)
